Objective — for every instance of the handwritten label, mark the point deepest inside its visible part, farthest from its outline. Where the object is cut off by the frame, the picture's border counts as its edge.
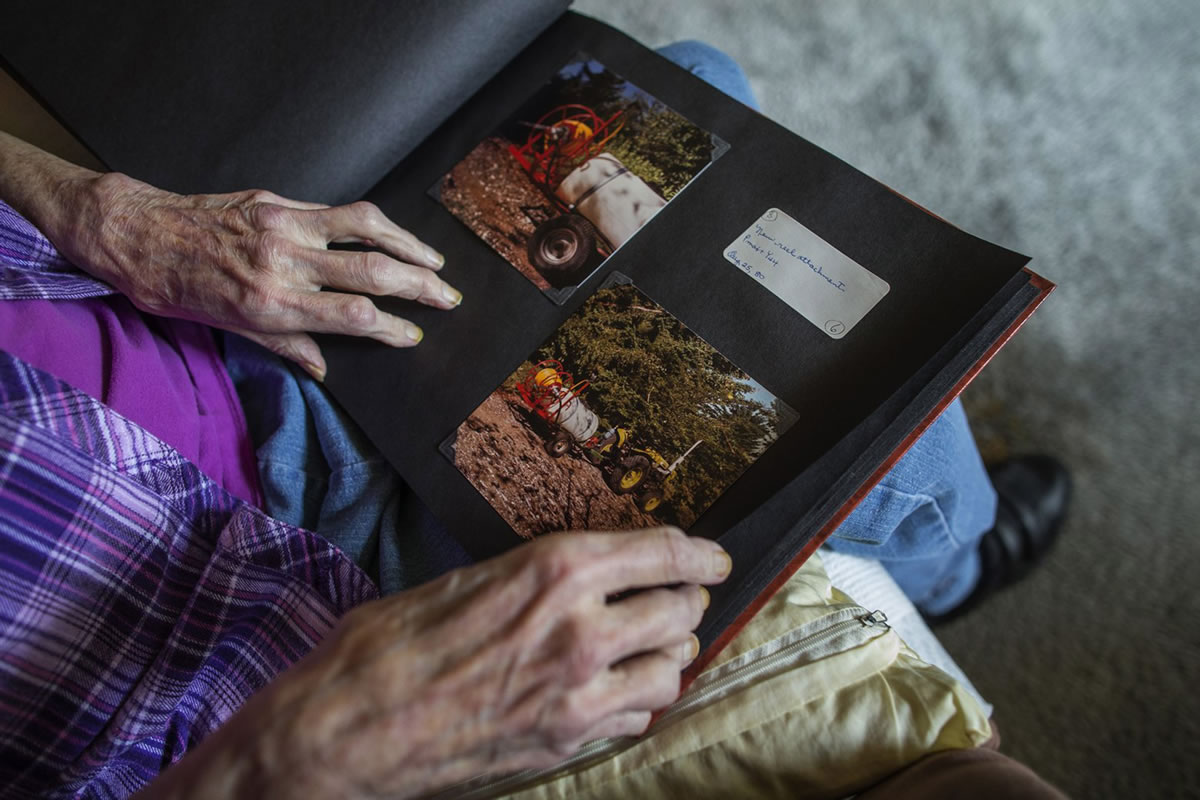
(823, 285)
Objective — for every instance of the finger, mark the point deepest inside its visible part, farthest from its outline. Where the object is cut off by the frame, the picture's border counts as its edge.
(655, 557)
(381, 275)
(623, 723)
(643, 683)
(364, 222)
(651, 620)
(348, 315)
(298, 347)
(688, 651)
(287, 202)
(263, 197)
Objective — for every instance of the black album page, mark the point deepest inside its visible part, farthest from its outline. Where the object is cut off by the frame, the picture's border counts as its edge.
(847, 316)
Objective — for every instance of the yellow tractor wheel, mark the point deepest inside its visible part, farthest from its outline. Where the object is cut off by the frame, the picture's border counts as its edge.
(651, 500)
(629, 474)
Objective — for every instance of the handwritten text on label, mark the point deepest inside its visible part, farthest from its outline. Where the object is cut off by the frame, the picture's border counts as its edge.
(825, 286)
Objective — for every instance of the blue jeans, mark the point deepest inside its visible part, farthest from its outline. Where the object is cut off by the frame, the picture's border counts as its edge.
(319, 471)
(923, 521)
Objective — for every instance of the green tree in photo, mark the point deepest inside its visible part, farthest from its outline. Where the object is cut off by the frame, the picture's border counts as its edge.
(663, 149)
(649, 373)
(657, 144)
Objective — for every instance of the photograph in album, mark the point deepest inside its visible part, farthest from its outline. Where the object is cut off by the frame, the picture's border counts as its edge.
(624, 418)
(574, 173)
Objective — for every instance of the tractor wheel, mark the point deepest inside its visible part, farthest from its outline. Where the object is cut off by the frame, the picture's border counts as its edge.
(560, 247)
(629, 474)
(559, 445)
(650, 500)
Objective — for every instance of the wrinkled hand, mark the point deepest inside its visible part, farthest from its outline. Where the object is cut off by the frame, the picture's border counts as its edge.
(512, 663)
(252, 262)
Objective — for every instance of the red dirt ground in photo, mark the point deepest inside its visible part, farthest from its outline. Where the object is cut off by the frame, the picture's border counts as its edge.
(490, 192)
(506, 461)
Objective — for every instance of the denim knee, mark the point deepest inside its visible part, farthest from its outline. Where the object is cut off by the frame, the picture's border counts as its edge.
(936, 498)
(713, 67)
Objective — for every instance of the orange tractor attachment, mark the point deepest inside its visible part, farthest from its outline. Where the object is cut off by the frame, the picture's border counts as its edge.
(554, 396)
(562, 139)
(599, 203)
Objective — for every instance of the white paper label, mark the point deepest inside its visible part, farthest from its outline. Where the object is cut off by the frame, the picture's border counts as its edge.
(827, 288)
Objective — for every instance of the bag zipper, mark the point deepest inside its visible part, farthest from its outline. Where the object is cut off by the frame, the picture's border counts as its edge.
(854, 623)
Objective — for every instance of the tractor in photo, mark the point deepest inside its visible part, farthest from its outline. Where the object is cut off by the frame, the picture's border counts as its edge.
(600, 203)
(630, 470)
(556, 398)
(553, 395)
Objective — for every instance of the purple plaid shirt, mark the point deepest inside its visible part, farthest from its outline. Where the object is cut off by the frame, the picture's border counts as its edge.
(140, 603)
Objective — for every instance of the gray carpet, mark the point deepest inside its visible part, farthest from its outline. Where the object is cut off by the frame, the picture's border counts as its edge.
(1068, 131)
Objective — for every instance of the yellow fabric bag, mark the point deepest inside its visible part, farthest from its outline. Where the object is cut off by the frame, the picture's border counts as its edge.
(815, 697)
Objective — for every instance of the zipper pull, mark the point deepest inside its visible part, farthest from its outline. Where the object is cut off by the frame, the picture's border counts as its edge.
(874, 618)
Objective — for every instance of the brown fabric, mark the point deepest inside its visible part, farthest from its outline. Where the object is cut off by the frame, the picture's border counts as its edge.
(979, 773)
(993, 743)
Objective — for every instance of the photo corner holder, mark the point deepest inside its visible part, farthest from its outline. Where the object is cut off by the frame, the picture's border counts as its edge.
(446, 447)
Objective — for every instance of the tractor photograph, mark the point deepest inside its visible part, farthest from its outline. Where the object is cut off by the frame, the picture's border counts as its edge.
(573, 173)
(622, 419)
(555, 398)
(600, 203)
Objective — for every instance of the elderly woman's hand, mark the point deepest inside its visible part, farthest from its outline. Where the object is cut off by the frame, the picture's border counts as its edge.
(509, 664)
(250, 262)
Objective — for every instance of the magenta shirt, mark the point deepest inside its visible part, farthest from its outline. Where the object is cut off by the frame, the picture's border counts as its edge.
(165, 375)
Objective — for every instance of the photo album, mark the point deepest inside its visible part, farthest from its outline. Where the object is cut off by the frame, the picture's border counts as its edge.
(675, 310)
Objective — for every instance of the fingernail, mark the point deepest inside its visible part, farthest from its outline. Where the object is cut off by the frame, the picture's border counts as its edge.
(692, 649)
(705, 597)
(724, 564)
(317, 371)
(451, 294)
(435, 258)
(414, 333)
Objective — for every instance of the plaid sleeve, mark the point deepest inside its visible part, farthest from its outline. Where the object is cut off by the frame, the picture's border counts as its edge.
(31, 268)
(140, 604)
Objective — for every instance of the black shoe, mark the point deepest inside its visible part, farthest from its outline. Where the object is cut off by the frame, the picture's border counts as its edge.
(1034, 492)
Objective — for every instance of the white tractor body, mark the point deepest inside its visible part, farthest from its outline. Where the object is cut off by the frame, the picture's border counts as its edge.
(612, 198)
(573, 416)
